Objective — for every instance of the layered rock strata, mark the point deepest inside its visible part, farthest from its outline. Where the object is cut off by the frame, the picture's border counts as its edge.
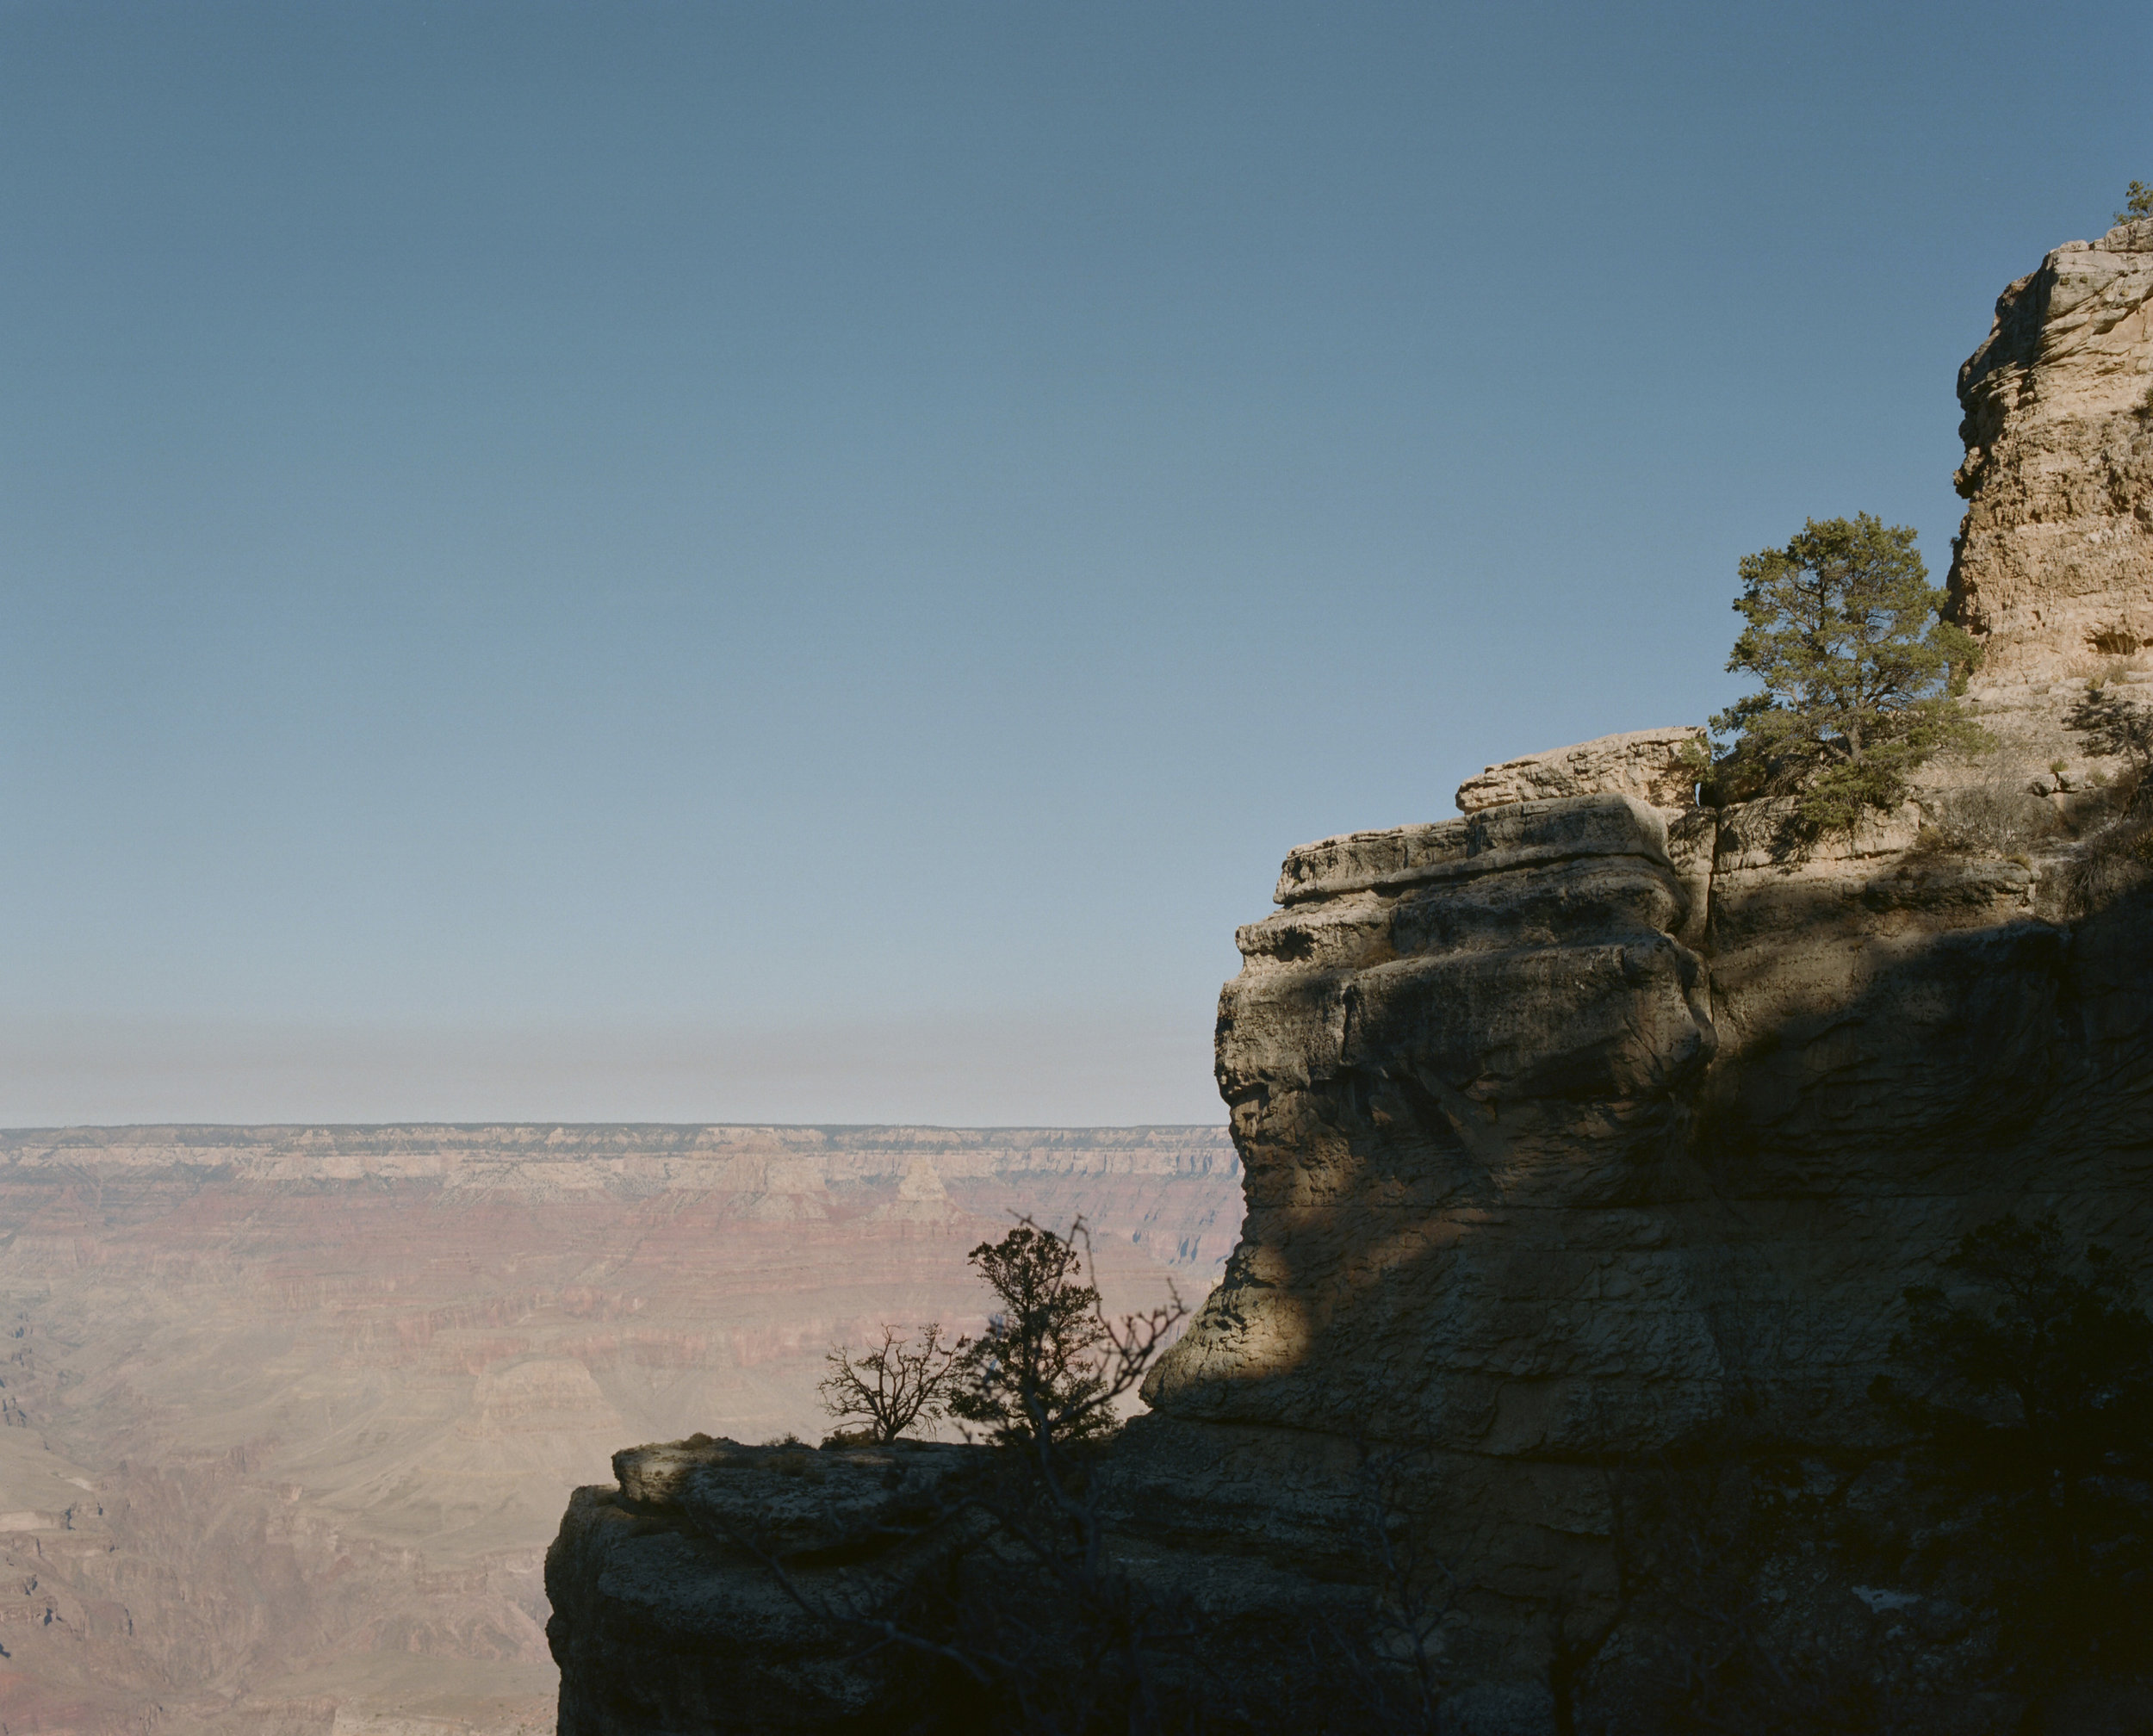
(665, 1617)
(1536, 1188)
(1658, 767)
(1595, 1127)
(2054, 566)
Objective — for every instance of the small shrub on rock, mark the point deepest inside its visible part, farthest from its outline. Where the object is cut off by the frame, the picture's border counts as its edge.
(1996, 818)
(1040, 1369)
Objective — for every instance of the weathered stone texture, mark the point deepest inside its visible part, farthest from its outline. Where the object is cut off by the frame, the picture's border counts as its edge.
(664, 1617)
(1493, 1031)
(1594, 1122)
(1536, 1185)
(2054, 567)
(1655, 766)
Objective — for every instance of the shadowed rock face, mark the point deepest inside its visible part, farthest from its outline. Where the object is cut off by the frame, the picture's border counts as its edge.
(1528, 1177)
(1576, 1129)
(666, 1620)
(1535, 1188)
(1457, 1064)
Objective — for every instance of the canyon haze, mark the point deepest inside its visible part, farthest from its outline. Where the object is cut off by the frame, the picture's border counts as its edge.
(291, 1412)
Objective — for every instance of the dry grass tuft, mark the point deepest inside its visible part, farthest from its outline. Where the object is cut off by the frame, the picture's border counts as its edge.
(1996, 818)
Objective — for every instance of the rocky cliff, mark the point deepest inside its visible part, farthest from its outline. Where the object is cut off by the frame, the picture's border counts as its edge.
(2055, 563)
(1593, 1127)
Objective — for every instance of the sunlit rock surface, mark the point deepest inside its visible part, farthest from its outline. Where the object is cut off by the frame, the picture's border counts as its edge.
(1658, 767)
(2055, 563)
(290, 1413)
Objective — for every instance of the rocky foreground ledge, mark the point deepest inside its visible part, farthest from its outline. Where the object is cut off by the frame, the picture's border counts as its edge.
(665, 1616)
(682, 1594)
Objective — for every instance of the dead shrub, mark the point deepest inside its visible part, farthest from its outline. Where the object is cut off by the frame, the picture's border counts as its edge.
(2107, 864)
(1996, 818)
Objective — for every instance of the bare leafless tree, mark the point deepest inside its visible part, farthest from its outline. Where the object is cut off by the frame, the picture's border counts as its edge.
(893, 1386)
(1397, 1666)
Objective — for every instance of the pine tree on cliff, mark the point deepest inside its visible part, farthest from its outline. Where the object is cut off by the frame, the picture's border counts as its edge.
(2138, 202)
(1041, 1370)
(1859, 673)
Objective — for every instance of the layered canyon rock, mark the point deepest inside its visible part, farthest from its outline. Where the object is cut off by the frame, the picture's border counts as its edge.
(1594, 1126)
(287, 1414)
(1581, 1128)
(2054, 565)
(1536, 1188)
(1658, 767)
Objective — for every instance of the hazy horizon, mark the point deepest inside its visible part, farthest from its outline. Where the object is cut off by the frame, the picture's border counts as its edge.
(196, 1072)
(807, 564)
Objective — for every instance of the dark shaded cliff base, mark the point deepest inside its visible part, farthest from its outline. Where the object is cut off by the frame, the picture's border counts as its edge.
(682, 1605)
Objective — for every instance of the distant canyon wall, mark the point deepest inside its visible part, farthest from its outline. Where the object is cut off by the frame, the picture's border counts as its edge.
(287, 1414)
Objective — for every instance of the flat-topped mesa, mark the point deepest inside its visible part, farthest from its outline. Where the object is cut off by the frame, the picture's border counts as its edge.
(2054, 563)
(1658, 766)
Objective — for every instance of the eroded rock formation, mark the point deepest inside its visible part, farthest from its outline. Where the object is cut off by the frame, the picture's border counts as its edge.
(1655, 766)
(2054, 565)
(1532, 1180)
(1586, 1128)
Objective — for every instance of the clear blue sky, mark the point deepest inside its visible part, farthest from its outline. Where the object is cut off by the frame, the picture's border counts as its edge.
(807, 562)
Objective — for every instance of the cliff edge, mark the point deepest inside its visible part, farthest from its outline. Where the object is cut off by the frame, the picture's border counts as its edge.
(1595, 1128)
(2054, 565)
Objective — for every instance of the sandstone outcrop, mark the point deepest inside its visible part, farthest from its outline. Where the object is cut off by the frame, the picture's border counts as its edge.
(1658, 767)
(1596, 1128)
(2054, 566)
(665, 1618)
(1536, 1188)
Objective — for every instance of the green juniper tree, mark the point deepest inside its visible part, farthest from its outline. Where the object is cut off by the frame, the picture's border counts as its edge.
(2138, 202)
(1041, 1369)
(1859, 673)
